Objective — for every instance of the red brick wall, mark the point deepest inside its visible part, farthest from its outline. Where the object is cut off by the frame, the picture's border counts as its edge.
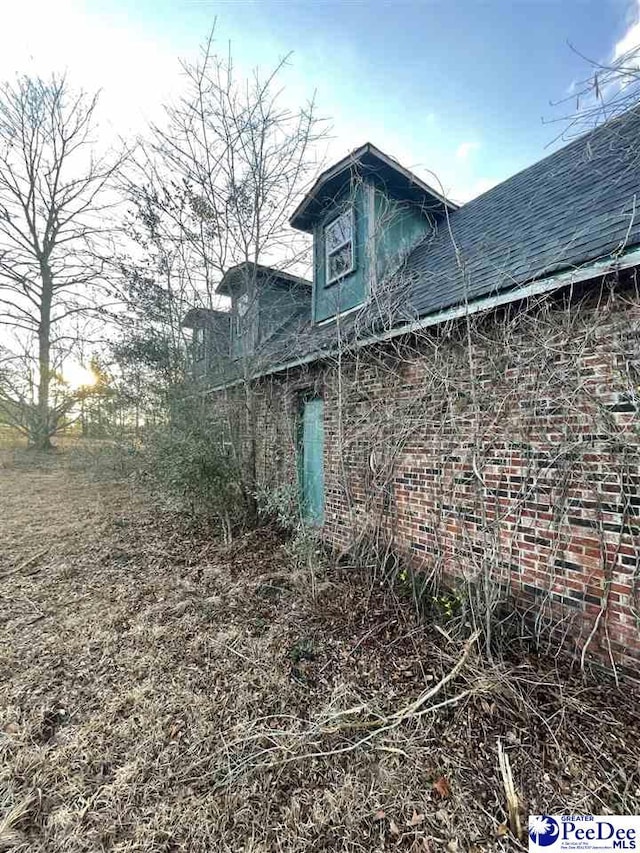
(508, 450)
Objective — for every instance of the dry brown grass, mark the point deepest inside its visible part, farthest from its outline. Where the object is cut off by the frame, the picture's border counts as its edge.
(163, 692)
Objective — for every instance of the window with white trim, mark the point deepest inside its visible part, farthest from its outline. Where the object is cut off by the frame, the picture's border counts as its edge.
(339, 247)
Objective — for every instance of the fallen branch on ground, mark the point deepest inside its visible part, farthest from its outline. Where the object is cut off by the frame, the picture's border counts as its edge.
(25, 564)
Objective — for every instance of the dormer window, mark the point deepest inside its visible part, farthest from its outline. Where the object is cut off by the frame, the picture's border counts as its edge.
(339, 246)
(365, 213)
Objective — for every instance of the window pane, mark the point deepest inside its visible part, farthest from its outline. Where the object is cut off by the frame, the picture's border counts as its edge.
(243, 304)
(340, 262)
(198, 342)
(339, 232)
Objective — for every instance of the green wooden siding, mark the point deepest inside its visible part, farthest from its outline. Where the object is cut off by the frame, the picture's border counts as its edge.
(349, 291)
(243, 343)
(399, 226)
(272, 306)
(385, 230)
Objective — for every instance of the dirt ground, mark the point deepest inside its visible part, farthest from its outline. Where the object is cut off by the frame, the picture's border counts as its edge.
(161, 691)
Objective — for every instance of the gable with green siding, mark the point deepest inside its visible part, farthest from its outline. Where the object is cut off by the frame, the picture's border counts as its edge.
(399, 226)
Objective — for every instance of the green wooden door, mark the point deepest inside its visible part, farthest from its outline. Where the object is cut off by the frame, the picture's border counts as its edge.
(313, 460)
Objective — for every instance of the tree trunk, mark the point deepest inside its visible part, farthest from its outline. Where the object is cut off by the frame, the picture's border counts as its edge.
(40, 438)
(250, 471)
(250, 340)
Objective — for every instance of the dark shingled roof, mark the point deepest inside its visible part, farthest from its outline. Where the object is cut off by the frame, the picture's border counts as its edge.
(573, 208)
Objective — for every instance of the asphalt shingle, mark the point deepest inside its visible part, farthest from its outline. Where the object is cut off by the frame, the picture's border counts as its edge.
(574, 207)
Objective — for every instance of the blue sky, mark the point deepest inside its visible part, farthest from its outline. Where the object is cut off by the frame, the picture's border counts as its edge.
(455, 87)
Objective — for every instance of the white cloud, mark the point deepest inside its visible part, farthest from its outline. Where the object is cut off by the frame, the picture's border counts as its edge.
(465, 149)
(464, 193)
(631, 39)
(590, 98)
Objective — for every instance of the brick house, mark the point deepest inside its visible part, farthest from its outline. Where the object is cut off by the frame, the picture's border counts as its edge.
(458, 386)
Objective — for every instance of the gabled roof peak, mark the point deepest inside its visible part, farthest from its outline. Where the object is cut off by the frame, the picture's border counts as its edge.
(197, 318)
(241, 272)
(370, 161)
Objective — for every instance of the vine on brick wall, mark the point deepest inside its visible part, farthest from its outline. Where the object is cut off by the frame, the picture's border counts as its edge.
(499, 454)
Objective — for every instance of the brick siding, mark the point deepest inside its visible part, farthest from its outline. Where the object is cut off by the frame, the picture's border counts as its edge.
(510, 452)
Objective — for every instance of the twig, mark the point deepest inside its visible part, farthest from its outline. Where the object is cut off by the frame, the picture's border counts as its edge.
(239, 654)
(510, 792)
(428, 694)
(25, 564)
(353, 746)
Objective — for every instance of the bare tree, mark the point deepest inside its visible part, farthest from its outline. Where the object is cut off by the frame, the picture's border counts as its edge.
(606, 91)
(54, 198)
(242, 157)
(221, 175)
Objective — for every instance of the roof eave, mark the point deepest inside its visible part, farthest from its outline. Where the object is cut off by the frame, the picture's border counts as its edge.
(526, 290)
(189, 319)
(196, 318)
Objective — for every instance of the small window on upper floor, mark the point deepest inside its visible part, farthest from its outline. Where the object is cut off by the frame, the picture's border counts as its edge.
(339, 247)
(242, 306)
(198, 344)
